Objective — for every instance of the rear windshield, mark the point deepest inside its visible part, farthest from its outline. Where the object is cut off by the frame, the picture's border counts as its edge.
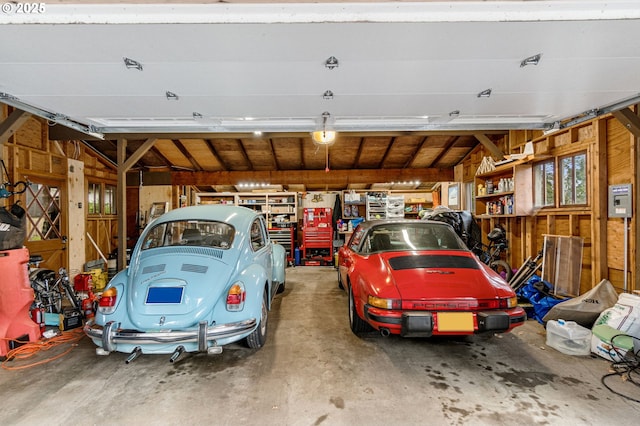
(203, 233)
(418, 235)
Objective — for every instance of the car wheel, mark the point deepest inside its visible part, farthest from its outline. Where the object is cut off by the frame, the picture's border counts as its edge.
(340, 285)
(358, 325)
(259, 336)
(502, 268)
(281, 288)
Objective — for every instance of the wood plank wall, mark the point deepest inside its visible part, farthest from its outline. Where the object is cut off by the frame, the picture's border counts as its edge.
(611, 154)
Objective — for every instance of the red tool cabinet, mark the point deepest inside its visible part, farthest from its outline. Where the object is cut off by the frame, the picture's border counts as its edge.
(317, 236)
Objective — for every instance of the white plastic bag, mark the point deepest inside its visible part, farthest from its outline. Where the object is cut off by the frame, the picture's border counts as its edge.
(624, 315)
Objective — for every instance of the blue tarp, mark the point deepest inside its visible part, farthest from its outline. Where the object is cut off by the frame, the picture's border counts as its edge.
(537, 292)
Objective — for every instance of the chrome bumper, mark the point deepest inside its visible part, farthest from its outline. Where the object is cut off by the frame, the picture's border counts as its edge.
(110, 336)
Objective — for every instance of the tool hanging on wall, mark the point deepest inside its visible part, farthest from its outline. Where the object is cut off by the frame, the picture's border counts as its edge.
(7, 188)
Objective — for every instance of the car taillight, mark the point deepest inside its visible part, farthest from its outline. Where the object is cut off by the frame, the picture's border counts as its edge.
(236, 297)
(107, 302)
(379, 302)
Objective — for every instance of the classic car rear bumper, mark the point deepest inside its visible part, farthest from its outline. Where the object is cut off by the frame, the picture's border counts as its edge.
(424, 323)
(110, 335)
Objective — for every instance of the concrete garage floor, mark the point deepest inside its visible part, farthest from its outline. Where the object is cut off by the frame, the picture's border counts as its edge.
(314, 371)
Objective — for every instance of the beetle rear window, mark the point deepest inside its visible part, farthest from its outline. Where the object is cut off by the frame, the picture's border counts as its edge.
(202, 233)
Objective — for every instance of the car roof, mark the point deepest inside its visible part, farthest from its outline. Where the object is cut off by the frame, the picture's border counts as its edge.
(366, 225)
(237, 216)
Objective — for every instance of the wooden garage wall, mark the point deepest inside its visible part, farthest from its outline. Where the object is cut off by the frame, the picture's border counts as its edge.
(30, 153)
(611, 157)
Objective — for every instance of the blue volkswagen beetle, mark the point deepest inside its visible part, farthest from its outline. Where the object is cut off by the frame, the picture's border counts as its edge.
(199, 278)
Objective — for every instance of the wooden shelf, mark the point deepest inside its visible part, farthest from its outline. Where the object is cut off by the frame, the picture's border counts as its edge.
(517, 201)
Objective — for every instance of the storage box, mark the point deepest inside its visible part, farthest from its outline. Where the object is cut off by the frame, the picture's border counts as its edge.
(601, 343)
(568, 337)
(70, 318)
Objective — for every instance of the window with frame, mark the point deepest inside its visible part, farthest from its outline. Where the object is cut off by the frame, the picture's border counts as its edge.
(544, 184)
(101, 198)
(573, 179)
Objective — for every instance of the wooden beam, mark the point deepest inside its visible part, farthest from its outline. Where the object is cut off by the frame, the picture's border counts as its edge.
(450, 142)
(386, 153)
(121, 202)
(629, 120)
(135, 156)
(341, 178)
(599, 173)
(491, 147)
(415, 152)
(215, 154)
(8, 127)
(178, 143)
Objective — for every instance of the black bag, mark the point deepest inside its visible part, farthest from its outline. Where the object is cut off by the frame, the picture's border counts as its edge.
(13, 229)
(461, 221)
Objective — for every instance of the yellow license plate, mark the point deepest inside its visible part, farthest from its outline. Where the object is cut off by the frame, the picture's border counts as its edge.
(455, 321)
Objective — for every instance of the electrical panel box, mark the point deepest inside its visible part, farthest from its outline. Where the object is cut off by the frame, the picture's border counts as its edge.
(620, 200)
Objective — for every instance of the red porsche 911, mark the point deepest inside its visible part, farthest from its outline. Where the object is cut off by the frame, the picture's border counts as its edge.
(416, 278)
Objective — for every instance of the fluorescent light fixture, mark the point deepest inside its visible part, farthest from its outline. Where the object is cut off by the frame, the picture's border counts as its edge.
(171, 96)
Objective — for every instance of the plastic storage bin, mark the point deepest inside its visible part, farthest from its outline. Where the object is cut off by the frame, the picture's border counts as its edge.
(568, 337)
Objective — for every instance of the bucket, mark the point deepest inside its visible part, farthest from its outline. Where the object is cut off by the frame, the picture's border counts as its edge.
(568, 337)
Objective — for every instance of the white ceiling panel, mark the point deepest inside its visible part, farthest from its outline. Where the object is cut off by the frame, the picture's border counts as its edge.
(398, 63)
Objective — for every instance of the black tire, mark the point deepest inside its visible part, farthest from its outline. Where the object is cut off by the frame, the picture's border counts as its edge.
(357, 324)
(340, 285)
(502, 268)
(281, 288)
(258, 337)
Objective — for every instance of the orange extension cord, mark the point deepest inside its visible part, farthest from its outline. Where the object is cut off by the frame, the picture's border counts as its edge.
(28, 350)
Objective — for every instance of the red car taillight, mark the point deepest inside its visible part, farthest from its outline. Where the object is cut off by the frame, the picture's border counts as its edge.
(107, 302)
(236, 297)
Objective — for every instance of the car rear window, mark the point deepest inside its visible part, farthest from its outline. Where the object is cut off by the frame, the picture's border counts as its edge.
(432, 261)
(202, 233)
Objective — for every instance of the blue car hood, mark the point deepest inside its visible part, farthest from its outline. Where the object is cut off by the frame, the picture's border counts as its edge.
(177, 288)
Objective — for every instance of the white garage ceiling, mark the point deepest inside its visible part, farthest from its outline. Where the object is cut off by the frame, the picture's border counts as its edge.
(402, 66)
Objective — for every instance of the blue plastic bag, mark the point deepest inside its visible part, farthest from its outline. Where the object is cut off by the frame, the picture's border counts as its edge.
(537, 292)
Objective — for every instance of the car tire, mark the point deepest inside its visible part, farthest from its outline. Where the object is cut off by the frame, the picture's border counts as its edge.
(358, 325)
(340, 285)
(281, 288)
(258, 337)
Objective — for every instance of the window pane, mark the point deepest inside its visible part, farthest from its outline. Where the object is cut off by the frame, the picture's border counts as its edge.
(93, 200)
(543, 184)
(574, 179)
(43, 212)
(110, 199)
(580, 165)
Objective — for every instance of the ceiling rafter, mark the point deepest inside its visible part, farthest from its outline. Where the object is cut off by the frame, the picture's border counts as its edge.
(243, 151)
(448, 144)
(215, 154)
(356, 160)
(155, 151)
(386, 153)
(274, 157)
(187, 154)
(415, 152)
